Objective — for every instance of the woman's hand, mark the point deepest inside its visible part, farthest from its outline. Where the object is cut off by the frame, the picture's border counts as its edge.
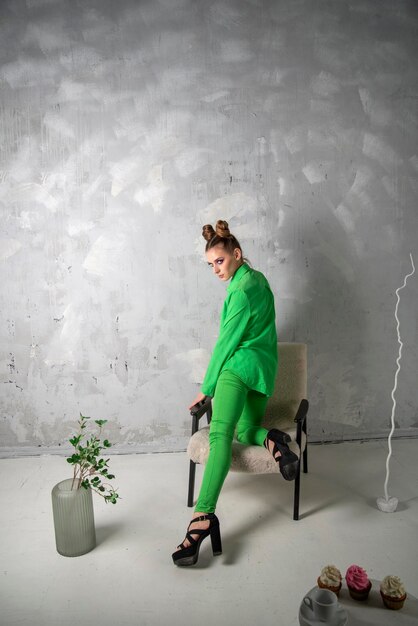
(199, 398)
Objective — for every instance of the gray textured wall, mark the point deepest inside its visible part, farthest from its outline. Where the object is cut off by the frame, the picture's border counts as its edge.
(127, 125)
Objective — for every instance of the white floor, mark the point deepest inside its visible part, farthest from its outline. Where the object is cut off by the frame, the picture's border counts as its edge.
(269, 561)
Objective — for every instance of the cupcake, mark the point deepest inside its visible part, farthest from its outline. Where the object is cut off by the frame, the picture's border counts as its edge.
(393, 592)
(358, 582)
(330, 578)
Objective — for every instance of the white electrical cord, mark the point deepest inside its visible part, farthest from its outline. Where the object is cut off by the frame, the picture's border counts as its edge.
(386, 504)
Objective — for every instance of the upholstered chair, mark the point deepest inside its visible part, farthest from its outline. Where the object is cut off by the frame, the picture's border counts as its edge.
(286, 410)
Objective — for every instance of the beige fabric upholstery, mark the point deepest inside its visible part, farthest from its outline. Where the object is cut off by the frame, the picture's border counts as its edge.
(290, 389)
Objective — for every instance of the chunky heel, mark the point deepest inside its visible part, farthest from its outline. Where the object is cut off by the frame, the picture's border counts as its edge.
(188, 555)
(215, 537)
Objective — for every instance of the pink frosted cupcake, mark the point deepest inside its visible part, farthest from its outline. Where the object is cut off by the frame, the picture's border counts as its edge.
(358, 583)
(330, 578)
(393, 592)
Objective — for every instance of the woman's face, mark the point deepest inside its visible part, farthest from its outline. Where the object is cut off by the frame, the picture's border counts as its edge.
(223, 263)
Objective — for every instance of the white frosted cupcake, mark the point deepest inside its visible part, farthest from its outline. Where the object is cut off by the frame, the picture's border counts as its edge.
(330, 578)
(393, 592)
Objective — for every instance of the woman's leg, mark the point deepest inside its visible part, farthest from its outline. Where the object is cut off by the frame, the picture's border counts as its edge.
(249, 430)
(228, 403)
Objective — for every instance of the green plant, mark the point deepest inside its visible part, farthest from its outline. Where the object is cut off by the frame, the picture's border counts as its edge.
(88, 466)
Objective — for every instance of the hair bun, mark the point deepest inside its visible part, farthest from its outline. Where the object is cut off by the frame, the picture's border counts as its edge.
(222, 229)
(207, 232)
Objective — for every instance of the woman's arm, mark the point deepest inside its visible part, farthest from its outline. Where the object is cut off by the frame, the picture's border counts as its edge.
(233, 324)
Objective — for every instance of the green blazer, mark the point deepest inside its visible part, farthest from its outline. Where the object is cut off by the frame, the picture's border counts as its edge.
(247, 342)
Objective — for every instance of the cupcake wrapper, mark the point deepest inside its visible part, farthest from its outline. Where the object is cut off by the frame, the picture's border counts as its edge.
(336, 589)
(360, 595)
(393, 603)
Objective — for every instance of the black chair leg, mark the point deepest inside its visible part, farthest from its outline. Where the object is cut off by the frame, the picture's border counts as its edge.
(192, 475)
(296, 495)
(305, 459)
(301, 428)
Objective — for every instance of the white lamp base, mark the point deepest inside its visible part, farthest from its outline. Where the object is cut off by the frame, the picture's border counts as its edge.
(387, 506)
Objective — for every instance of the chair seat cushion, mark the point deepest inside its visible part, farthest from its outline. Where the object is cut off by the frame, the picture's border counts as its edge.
(253, 459)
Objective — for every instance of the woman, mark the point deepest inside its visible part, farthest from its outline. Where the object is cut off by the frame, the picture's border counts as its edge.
(240, 377)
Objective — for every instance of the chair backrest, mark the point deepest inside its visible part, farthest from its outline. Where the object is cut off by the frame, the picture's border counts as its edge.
(291, 384)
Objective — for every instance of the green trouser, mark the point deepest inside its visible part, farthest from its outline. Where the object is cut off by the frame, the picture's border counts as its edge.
(234, 406)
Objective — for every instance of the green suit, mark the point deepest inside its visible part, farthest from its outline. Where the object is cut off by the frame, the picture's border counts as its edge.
(247, 343)
(240, 376)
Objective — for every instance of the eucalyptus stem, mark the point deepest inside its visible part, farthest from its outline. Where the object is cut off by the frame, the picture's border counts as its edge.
(89, 465)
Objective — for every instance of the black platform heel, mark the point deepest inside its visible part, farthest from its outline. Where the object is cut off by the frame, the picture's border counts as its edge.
(189, 555)
(288, 461)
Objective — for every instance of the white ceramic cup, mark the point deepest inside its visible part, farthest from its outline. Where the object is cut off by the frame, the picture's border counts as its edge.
(323, 604)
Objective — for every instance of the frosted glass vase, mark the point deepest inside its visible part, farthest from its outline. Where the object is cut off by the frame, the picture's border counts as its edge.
(75, 533)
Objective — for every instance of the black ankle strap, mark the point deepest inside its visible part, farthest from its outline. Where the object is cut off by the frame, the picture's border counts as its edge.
(203, 518)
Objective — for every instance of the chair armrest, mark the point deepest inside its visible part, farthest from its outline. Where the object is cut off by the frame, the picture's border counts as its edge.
(199, 409)
(302, 412)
